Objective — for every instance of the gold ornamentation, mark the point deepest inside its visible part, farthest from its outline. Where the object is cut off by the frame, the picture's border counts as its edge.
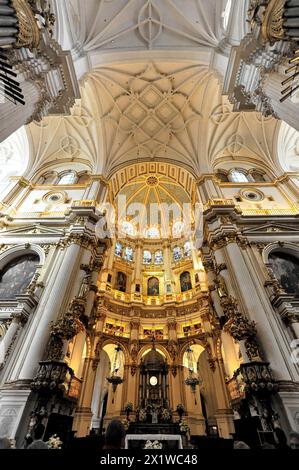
(29, 33)
(272, 23)
(172, 348)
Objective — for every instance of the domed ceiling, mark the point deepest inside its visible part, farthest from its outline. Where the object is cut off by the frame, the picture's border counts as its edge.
(152, 201)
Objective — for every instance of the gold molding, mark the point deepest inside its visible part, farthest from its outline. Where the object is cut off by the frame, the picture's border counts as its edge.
(29, 33)
(272, 25)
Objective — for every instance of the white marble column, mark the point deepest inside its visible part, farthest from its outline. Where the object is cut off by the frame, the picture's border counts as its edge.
(137, 277)
(47, 312)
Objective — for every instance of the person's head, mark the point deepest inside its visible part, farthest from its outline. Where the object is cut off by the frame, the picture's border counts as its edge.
(240, 445)
(5, 443)
(38, 432)
(294, 440)
(115, 434)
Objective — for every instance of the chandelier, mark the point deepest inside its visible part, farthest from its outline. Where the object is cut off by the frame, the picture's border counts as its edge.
(115, 379)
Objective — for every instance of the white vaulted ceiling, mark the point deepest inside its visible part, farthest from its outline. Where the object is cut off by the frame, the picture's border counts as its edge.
(118, 25)
(148, 92)
(151, 110)
(161, 111)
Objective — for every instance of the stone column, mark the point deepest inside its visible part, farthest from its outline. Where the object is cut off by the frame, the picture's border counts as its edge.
(137, 276)
(167, 265)
(49, 307)
(27, 304)
(132, 393)
(257, 304)
(83, 416)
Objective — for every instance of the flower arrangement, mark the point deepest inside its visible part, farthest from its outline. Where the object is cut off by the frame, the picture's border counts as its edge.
(165, 415)
(126, 424)
(142, 415)
(54, 442)
(129, 407)
(184, 428)
(180, 409)
(153, 445)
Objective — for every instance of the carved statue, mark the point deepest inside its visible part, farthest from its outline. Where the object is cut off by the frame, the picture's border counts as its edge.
(172, 348)
(84, 289)
(221, 287)
(134, 351)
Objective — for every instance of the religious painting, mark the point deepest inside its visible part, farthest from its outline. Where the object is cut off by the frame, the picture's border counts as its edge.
(159, 334)
(186, 330)
(153, 287)
(119, 330)
(121, 282)
(168, 288)
(137, 288)
(198, 328)
(185, 280)
(109, 328)
(286, 270)
(17, 275)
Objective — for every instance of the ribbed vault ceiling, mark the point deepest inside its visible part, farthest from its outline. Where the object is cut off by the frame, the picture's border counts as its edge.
(101, 25)
(153, 110)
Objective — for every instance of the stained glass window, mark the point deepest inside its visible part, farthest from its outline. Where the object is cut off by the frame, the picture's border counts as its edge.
(129, 254)
(147, 257)
(159, 257)
(177, 229)
(128, 228)
(177, 253)
(187, 249)
(68, 178)
(153, 232)
(237, 176)
(118, 249)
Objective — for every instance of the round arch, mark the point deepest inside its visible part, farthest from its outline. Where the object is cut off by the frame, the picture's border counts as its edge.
(20, 250)
(288, 248)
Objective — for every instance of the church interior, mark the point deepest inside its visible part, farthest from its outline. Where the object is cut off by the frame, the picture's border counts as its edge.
(149, 204)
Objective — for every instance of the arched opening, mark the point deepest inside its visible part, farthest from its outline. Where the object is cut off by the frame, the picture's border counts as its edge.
(185, 281)
(153, 286)
(16, 276)
(121, 282)
(286, 269)
(154, 387)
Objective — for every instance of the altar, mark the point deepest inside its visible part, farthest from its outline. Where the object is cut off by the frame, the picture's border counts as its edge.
(169, 441)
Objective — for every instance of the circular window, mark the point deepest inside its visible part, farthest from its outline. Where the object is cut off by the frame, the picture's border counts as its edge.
(153, 381)
(55, 197)
(252, 195)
